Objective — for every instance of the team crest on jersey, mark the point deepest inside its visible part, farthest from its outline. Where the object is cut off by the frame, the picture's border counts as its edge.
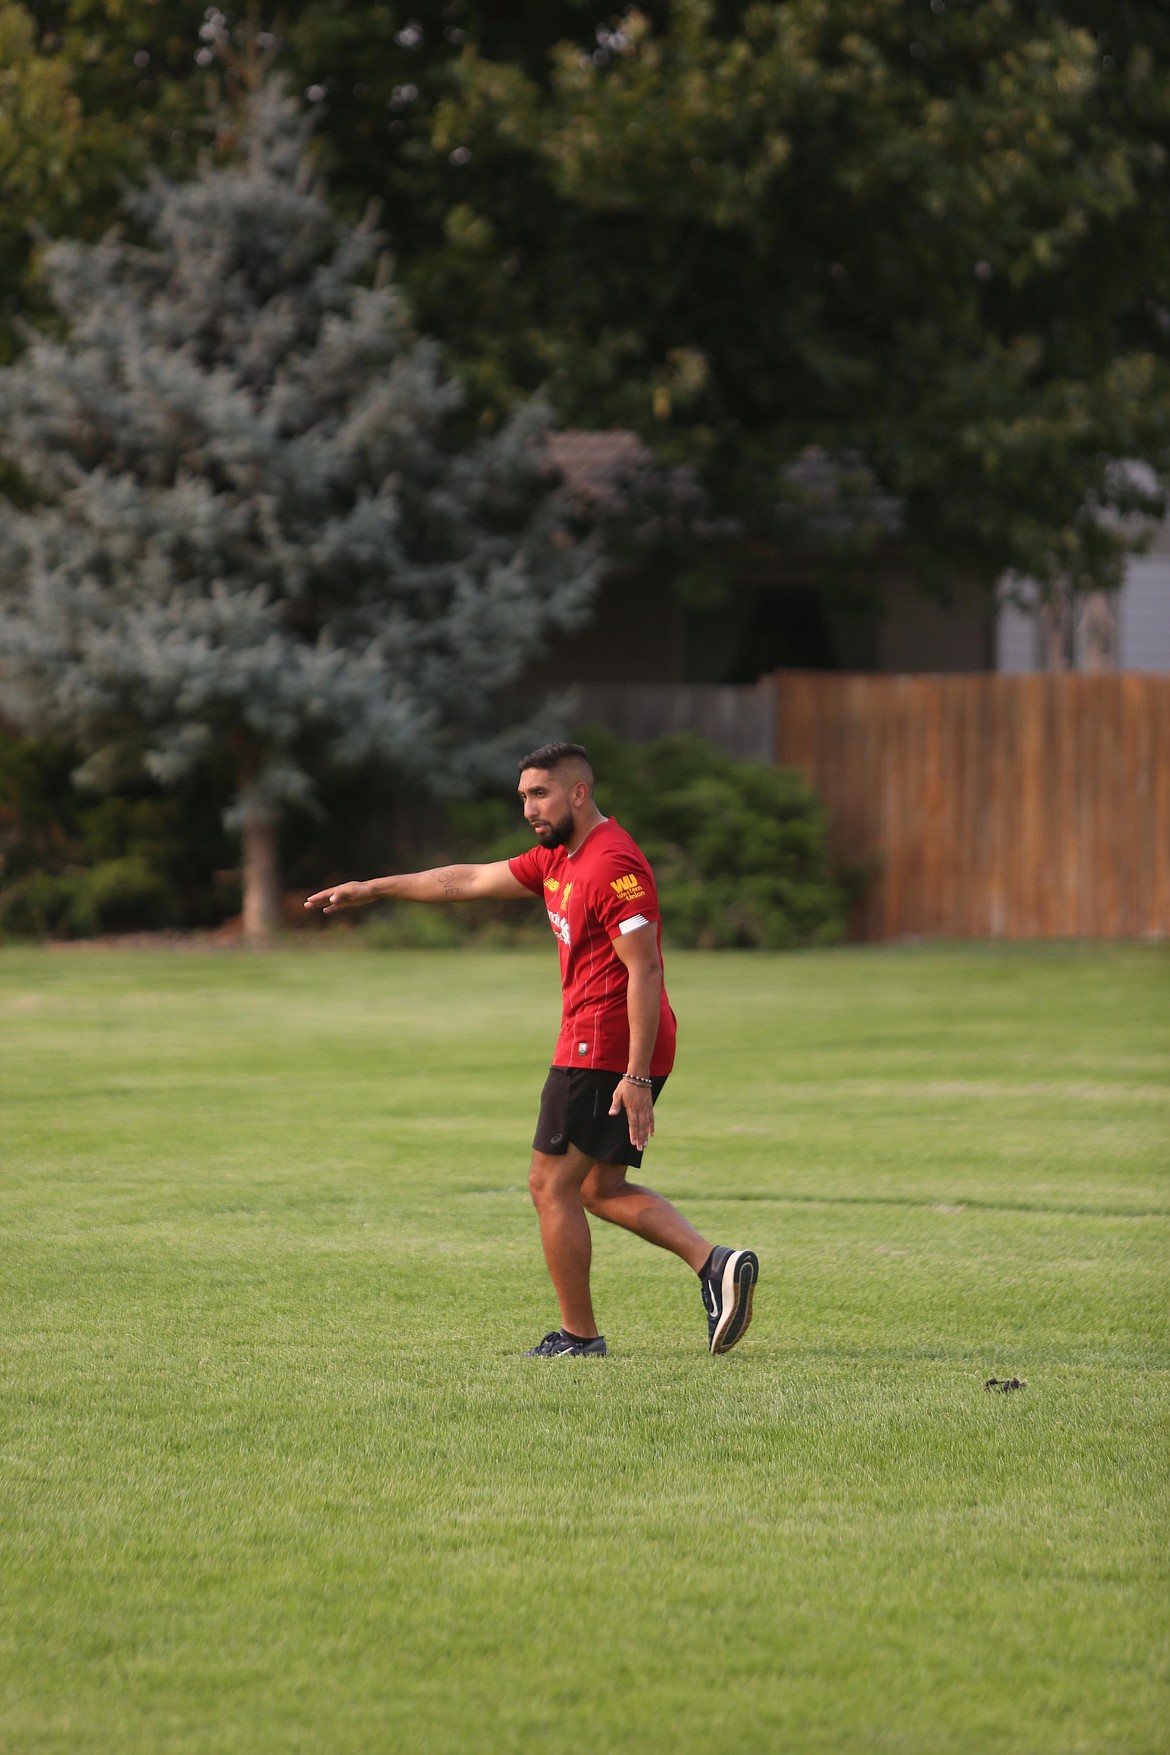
(628, 888)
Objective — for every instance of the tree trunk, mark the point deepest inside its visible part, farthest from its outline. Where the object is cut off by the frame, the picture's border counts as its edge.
(261, 838)
(1099, 631)
(1055, 626)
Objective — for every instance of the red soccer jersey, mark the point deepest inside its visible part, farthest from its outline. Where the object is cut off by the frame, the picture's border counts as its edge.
(593, 896)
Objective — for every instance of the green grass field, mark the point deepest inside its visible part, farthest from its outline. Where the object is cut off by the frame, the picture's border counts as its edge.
(275, 1476)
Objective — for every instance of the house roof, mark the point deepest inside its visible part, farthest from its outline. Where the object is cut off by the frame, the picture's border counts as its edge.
(592, 464)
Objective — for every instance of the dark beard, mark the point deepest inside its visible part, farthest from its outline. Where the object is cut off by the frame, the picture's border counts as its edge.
(557, 834)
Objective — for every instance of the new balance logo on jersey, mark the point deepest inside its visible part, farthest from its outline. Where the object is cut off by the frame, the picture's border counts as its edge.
(628, 888)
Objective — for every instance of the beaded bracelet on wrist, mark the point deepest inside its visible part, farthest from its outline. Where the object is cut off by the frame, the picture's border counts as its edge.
(637, 1079)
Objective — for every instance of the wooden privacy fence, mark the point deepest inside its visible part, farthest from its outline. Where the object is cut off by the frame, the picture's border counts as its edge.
(991, 806)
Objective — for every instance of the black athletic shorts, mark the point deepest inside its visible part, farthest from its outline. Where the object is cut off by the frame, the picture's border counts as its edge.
(574, 1111)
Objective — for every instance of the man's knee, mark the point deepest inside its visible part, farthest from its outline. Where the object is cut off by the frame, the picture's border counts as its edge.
(538, 1177)
(602, 1184)
(551, 1176)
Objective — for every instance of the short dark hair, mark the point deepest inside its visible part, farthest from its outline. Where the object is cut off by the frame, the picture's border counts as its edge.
(551, 755)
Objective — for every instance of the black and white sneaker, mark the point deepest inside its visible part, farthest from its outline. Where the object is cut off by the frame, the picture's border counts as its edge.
(559, 1345)
(727, 1288)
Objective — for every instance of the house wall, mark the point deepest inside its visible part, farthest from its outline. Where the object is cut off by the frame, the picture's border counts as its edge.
(635, 636)
(1143, 623)
(642, 634)
(1144, 615)
(919, 634)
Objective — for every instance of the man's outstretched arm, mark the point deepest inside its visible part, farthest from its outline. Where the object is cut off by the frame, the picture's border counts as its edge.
(445, 883)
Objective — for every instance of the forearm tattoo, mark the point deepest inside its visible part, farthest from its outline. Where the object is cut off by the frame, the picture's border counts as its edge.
(448, 882)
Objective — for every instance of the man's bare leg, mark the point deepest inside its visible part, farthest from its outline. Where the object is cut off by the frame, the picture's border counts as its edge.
(728, 1276)
(555, 1186)
(606, 1192)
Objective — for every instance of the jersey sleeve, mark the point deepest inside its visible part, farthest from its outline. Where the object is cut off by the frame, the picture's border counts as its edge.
(624, 896)
(530, 869)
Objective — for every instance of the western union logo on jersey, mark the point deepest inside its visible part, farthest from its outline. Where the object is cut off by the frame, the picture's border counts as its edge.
(628, 888)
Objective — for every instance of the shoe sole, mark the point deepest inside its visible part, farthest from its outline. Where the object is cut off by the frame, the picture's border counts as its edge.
(741, 1270)
(597, 1353)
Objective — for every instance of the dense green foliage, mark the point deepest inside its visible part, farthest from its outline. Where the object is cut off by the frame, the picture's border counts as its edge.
(745, 230)
(73, 863)
(853, 226)
(740, 850)
(276, 1478)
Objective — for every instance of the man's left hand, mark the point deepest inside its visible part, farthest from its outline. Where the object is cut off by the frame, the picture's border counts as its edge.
(638, 1103)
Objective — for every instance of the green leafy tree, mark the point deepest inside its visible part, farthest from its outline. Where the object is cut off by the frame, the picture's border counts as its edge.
(261, 525)
(859, 227)
(40, 142)
(929, 238)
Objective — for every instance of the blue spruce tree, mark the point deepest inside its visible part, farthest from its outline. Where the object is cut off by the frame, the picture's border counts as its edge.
(255, 522)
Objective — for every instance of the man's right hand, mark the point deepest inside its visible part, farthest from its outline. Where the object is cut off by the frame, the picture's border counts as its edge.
(352, 895)
(446, 883)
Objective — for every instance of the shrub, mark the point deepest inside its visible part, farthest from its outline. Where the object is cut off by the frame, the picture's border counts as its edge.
(72, 864)
(37, 905)
(127, 895)
(119, 895)
(414, 926)
(740, 850)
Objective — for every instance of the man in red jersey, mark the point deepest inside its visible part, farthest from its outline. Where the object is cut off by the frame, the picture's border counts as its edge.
(614, 1051)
